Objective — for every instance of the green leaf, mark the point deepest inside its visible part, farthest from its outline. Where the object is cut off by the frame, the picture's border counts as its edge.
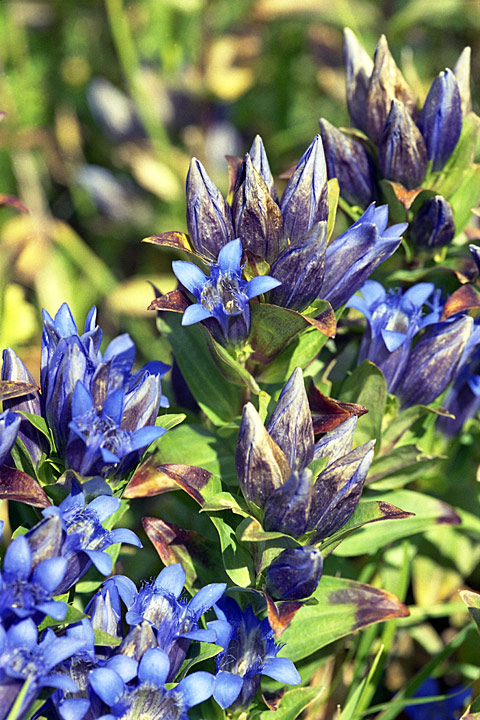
(350, 709)
(240, 375)
(342, 607)
(238, 563)
(366, 386)
(73, 615)
(169, 421)
(198, 653)
(465, 197)
(40, 424)
(218, 398)
(428, 512)
(292, 703)
(333, 197)
(472, 601)
(224, 501)
(250, 530)
(299, 353)
(398, 467)
(105, 639)
(448, 180)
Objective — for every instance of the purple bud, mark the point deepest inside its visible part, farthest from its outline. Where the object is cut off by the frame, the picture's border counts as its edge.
(358, 69)
(433, 225)
(287, 509)
(294, 574)
(305, 199)
(261, 165)
(208, 214)
(440, 120)
(402, 155)
(349, 162)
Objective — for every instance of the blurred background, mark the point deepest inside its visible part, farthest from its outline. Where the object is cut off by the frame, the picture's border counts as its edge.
(107, 100)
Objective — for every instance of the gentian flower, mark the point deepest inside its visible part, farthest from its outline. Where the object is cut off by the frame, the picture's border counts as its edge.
(97, 444)
(353, 256)
(463, 398)
(294, 574)
(402, 155)
(394, 318)
(249, 651)
(223, 296)
(24, 659)
(175, 621)
(85, 538)
(445, 709)
(433, 225)
(150, 694)
(9, 427)
(272, 466)
(440, 120)
(27, 592)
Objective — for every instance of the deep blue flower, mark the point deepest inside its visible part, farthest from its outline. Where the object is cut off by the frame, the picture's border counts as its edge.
(402, 155)
(86, 539)
(446, 709)
(463, 398)
(440, 120)
(223, 296)
(98, 445)
(174, 620)
(434, 224)
(249, 651)
(24, 659)
(156, 702)
(358, 70)
(294, 574)
(394, 318)
(14, 369)
(353, 256)
(9, 427)
(26, 591)
(105, 609)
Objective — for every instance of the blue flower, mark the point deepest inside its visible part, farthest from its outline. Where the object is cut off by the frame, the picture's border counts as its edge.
(394, 318)
(402, 155)
(149, 693)
(9, 427)
(440, 120)
(86, 539)
(353, 256)
(223, 296)
(463, 398)
(249, 651)
(26, 591)
(175, 621)
(445, 709)
(24, 659)
(294, 574)
(434, 224)
(97, 444)
(105, 609)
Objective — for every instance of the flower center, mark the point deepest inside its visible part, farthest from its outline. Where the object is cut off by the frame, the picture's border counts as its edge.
(223, 290)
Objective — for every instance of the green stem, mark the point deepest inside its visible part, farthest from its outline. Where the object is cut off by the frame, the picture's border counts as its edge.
(14, 713)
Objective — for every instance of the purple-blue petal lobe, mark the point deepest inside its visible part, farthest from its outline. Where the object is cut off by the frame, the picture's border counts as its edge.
(195, 313)
(261, 284)
(283, 670)
(227, 688)
(189, 275)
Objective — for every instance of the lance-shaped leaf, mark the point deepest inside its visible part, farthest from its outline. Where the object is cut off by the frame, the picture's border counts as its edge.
(349, 162)
(294, 574)
(154, 478)
(17, 485)
(386, 84)
(290, 425)
(402, 155)
(287, 509)
(256, 215)
(465, 298)
(433, 362)
(305, 199)
(440, 120)
(343, 606)
(462, 76)
(434, 224)
(337, 491)
(260, 163)
(300, 268)
(173, 239)
(208, 214)
(358, 69)
(327, 413)
(261, 465)
(280, 616)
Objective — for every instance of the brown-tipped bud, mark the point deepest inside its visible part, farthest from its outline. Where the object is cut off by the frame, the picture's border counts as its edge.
(358, 69)
(402, 155)
(260, 163)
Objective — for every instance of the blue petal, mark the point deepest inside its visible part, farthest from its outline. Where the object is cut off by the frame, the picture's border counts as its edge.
(283, 670)
(23, 634)
(154, 667)
(49, 573)
(230, 256)
(189, 275)
(206, 598)
(172, 579)
(17, 562)
(64, 323)
(82, 401)
(124, 665)
(261, 284)
(223, 631)
(113, 407)
(101, 560)
(60, 682)
(104, 506)
(394, 231)
(227, 688)
(107, 684)
(201, 635)
(392, 339)
(73, 708)
(195, 313)
(56, 610)
(419, 293)
(124, 535)
(144, 437)
(196, 688)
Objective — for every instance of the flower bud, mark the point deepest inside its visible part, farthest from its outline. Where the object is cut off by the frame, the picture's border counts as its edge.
(300, 269)
(349, 162)
(45, 539)
(358, 69)
(402, 155)
(337, 442)
(257, 217)
(440, 120)
(386, 84)
(208, 214)
(305, 199)
(261, 165)
(9, 427)
(287, 509)
(433, 225)
(294, 574)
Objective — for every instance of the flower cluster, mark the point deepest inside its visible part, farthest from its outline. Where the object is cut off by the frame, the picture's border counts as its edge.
(100, 413)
